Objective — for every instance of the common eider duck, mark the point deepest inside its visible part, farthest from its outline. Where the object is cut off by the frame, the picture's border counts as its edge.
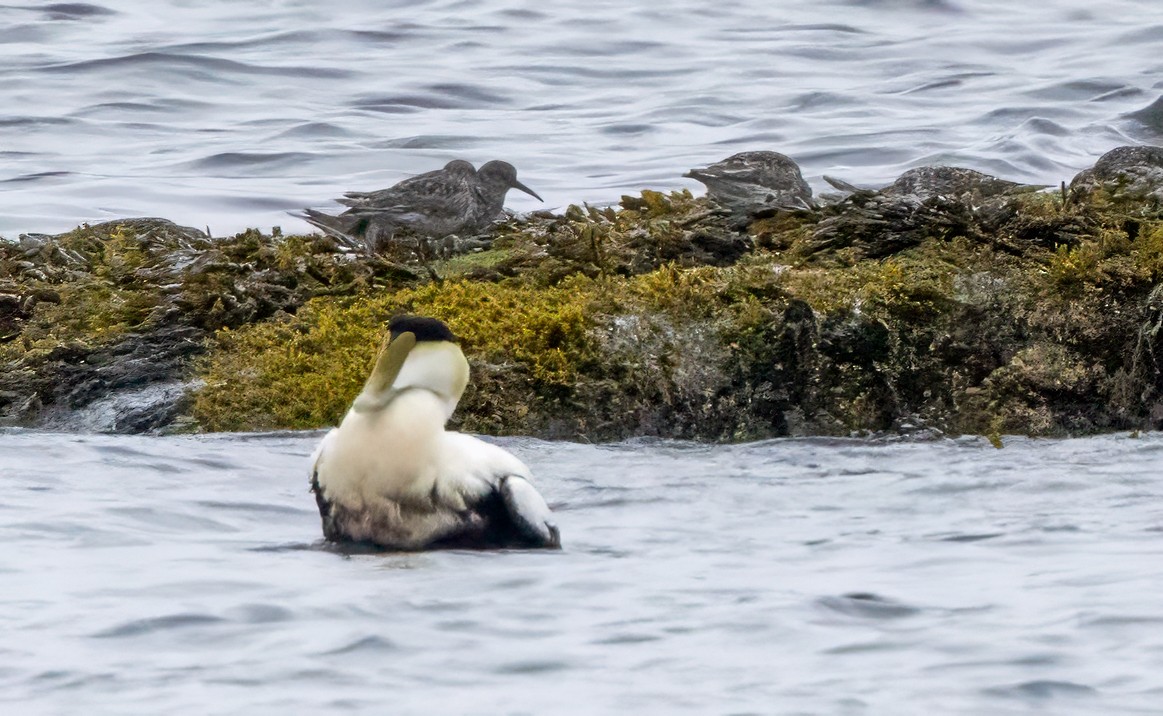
(392, 477)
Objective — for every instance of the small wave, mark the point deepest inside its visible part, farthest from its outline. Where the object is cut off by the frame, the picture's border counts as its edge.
(219, 505)
(238, 160)
(34, 177)
(468, 92)
(868, 606)
(945, 83)
(1150, 116)
(212, 68)
(824, 27)
(315, 130)
(385, 36)
(1042, 689)
(138, 627)
(552, 73)
(1077, 90)
(292, 547)
(26, 33)
(364, 645)
(1151, 35)
(969, 537)
(34, 122)
(609, 48)
(451, 97)
(75, 11)
(250, 42)
(535, 666)
(627, 638)
(523, 14)
(120, 450)
(262, 614)
(169, 521)
(1121, 620)
(628, 129)
(1041, 125)
(867, 647)
(428, 141)
(134, 107)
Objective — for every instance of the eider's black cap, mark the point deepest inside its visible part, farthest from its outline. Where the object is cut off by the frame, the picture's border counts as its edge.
(425, 329)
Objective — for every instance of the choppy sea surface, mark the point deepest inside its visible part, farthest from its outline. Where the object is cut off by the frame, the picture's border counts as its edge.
(184, 575)
(228, 113)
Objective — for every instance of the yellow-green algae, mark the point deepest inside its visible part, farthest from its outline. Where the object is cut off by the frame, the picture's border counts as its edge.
(955, 333)
(659, 318)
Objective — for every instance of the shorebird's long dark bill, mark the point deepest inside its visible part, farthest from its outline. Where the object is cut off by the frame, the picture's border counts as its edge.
(527, 190)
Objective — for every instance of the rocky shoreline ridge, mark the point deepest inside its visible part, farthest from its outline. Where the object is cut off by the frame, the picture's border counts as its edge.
(949, 302)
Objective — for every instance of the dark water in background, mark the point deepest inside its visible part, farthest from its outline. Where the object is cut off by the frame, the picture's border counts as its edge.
(177, 576)
(230, 112)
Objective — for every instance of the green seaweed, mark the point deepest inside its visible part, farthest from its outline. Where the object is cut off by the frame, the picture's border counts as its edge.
(655, 317)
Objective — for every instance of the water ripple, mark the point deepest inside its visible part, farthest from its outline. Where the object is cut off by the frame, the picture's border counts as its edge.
(1042, 689)
(140, 627)
(192, 65)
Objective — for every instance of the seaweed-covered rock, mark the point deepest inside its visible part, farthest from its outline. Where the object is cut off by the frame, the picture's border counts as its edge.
(949, 301)
(922, 203)
(98, 325)
(1133, 173)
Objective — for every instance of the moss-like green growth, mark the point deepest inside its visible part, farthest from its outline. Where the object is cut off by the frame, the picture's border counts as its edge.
(580, 328)
(119, 305)
(1028, 313)
(305, 371)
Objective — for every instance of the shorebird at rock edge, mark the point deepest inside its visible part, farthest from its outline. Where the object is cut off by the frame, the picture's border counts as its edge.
(925, 183)
(391, 476)
(749, 182)
(455, 200)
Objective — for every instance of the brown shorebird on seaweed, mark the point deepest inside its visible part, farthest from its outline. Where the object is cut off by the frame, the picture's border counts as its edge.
(456, 200)
(747, 183)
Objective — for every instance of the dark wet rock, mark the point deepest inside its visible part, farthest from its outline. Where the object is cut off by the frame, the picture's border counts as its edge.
(751, 184)
(102, 323)
(853, 339)
(879, 225)
(1133, 173)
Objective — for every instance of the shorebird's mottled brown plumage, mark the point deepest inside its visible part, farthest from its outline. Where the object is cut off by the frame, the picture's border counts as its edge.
(750, 182)
(925, 183)
(457, 199)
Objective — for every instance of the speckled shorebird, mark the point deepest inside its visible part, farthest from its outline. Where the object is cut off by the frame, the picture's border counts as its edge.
(457, 199)
(924, 183)
(749, 182)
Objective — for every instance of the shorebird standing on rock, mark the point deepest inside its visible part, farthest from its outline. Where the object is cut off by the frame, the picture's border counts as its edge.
(456, 200)
(750, 182)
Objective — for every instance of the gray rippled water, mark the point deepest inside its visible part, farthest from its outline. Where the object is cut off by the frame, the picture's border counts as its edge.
(231, 112)
(146, 575)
